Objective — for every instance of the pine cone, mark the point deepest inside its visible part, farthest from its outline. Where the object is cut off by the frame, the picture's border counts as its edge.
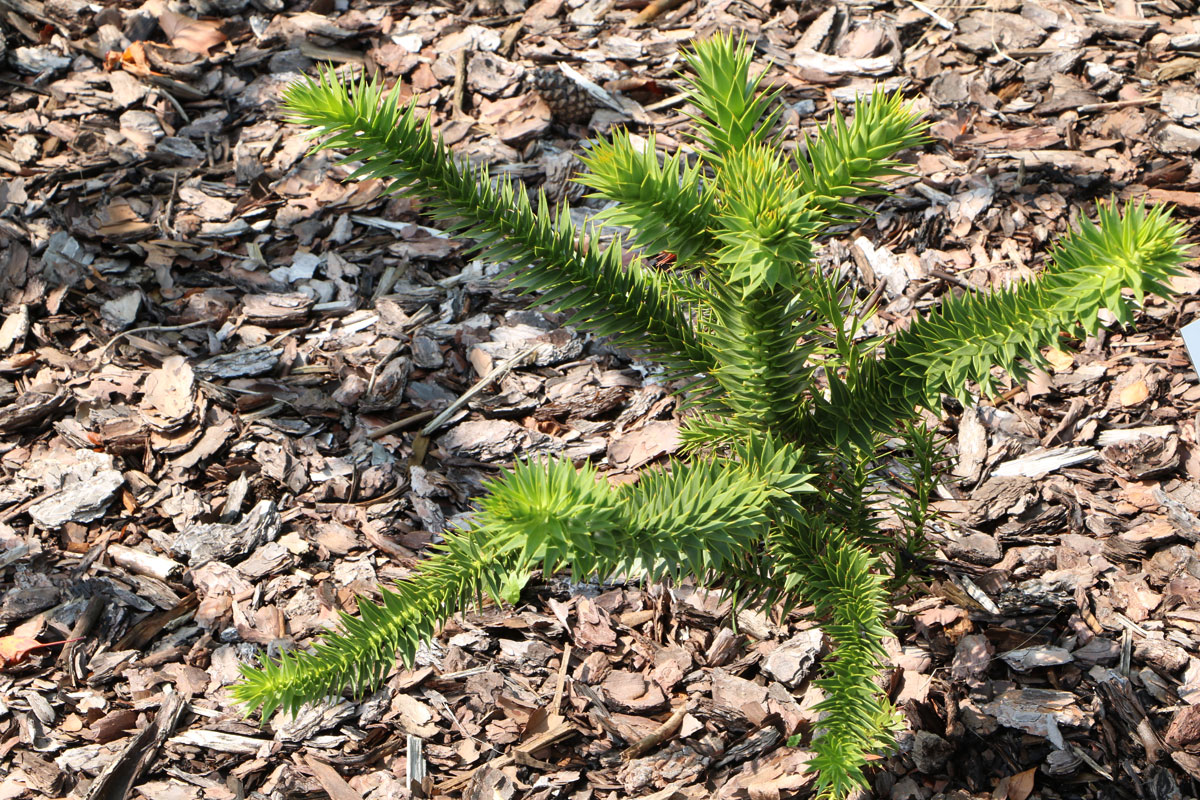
(568, 101)
(561, 169)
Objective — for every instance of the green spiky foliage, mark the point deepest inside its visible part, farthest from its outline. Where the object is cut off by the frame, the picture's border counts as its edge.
(776, 498)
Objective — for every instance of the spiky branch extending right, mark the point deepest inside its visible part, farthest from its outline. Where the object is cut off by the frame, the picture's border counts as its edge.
(959, 344)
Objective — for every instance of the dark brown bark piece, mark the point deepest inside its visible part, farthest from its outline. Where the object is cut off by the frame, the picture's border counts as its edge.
(120, 776)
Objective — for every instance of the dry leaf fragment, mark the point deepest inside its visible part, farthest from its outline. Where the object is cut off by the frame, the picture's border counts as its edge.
(1135, 393)
(1015, 787)
(134, 60)
(1060, 360)
(15, 649)
(196, 35)
(1038, 657)
(643, 445)
(119, 218)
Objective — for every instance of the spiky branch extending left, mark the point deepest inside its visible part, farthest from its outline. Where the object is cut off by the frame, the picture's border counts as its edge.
(690, 521)
(631, 304)
(665, 204)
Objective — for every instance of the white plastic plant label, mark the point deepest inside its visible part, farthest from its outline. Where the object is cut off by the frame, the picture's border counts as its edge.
(1191, 338)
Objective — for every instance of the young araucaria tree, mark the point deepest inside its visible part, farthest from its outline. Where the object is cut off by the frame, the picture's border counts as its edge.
(790, 407)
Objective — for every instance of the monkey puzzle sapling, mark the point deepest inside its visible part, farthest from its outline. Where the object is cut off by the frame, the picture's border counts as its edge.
(773, 501)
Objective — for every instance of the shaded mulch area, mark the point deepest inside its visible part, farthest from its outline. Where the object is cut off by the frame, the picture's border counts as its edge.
(235, 393)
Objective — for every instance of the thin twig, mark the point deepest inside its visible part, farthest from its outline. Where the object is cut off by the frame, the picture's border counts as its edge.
(509, 38)
(995, 44)
(459, 93)
(655, 9)
(171, 98)
(556, 703)
(936, 17)
(148, 329)
(950, 277)
(496, 373)
(83, 626)
(1119, 104)
(16, 511)
(400, 424)
(656, 736)
(668, 102)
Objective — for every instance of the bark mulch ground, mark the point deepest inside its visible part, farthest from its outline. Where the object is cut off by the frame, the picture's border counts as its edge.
(235, 393)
